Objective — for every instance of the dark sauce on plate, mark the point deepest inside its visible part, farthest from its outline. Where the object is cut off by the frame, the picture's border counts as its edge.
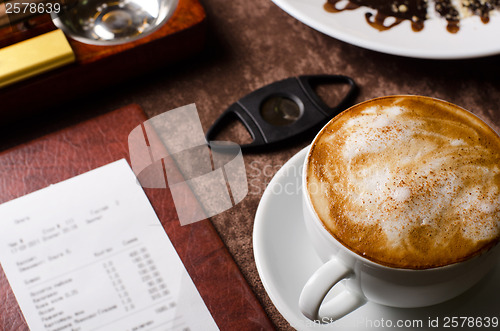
(414, 11)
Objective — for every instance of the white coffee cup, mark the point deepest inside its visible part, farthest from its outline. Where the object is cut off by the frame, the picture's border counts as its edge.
(366, 280)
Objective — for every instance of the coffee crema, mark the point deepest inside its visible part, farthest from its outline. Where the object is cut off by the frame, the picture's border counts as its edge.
(408, 182)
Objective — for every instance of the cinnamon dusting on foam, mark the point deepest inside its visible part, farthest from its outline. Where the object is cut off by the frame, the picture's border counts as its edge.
(408, 183)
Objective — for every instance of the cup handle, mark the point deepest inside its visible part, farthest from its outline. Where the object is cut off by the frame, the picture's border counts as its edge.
(318, 286)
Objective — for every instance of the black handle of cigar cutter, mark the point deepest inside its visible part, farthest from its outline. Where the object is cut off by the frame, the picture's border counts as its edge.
(300, 90)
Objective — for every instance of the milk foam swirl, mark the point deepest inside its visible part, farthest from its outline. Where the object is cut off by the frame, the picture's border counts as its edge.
(401, 184)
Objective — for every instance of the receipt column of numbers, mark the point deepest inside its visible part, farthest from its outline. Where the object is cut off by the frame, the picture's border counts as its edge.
(149, 275)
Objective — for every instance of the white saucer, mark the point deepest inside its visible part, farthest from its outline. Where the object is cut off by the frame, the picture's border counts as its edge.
(285, 259)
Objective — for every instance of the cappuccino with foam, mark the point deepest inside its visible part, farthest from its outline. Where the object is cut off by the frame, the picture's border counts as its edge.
(407, 182)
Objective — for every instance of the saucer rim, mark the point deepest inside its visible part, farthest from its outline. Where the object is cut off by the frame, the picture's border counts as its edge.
(259, 253)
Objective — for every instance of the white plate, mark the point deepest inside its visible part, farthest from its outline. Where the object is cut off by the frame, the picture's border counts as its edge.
(285, 259)
(475, 39)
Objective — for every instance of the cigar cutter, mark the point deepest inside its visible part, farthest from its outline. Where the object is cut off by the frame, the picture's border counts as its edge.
(284, 109)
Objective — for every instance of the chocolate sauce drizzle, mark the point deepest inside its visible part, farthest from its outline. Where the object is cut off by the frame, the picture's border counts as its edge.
(448, 11)
(385, 10)
(331, 6)
(414, 11)
(377, 21)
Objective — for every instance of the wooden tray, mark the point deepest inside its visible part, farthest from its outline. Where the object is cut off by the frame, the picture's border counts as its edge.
(97, 67)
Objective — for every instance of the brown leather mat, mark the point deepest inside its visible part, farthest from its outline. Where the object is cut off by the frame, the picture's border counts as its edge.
(96, 142)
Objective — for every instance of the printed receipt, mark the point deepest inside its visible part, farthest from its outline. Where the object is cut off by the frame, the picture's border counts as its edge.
(89, 253)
